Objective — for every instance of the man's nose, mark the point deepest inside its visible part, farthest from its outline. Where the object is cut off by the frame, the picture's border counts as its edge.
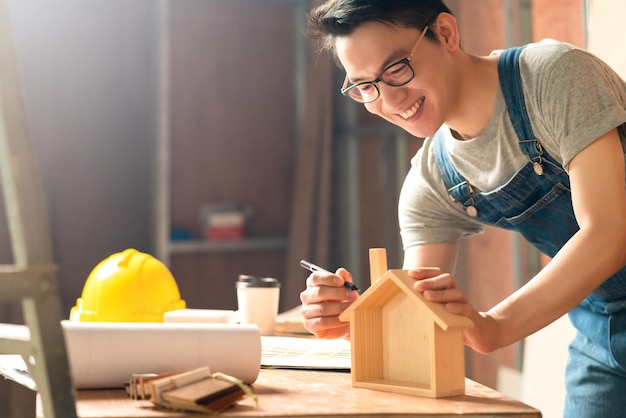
(391, 95)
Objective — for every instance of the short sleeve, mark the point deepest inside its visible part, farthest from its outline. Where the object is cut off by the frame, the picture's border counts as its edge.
(425, 212)
(579, 99)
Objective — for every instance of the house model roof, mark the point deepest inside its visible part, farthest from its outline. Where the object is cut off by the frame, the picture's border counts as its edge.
(389, 285)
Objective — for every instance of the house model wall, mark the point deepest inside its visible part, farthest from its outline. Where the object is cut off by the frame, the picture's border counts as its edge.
(403, 343)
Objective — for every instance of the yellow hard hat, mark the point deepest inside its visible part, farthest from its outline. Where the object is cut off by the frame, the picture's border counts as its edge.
(127, 287)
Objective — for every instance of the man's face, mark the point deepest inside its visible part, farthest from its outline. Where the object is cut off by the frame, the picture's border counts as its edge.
(421, 105)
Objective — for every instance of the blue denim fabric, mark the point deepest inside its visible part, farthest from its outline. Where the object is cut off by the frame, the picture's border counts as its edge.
(537, 203)
(596, 368)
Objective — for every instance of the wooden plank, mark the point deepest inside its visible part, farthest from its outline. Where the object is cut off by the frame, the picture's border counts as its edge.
(448, 358)
(310, 218)
(367, 353)
(406, 337)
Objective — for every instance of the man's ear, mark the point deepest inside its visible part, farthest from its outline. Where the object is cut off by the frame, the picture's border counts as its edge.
(447, 31)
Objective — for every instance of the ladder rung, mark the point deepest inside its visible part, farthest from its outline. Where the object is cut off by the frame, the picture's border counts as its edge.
(13, 269)
(15, 339)
(19, 282)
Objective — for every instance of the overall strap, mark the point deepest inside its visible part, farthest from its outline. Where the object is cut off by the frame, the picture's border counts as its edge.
(511, 85)
(459, 189)
(513, 92)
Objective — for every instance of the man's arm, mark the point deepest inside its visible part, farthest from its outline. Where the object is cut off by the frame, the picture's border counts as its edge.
(591, 256)
(442, 256)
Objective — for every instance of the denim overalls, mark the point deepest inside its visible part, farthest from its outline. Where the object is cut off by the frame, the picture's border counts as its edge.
(537, 203)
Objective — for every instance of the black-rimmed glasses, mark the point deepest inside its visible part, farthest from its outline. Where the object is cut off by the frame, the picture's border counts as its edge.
(396, 75)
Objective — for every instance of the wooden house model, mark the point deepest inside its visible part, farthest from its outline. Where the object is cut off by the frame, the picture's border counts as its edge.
(403, 343)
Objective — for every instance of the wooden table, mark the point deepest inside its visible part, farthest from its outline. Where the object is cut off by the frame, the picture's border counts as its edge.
(305, 393)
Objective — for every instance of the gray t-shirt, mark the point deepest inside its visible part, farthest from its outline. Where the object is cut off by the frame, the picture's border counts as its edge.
(572, 99)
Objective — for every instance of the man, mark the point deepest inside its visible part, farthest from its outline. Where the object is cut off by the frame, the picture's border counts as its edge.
(530, 140)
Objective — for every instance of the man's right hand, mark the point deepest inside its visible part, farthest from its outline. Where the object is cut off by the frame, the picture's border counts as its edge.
(323, 300)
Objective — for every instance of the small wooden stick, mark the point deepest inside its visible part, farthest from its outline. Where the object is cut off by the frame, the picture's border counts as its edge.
(378, 263)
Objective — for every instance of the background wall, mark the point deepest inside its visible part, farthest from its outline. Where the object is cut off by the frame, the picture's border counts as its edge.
(88, 72)
(603, 35)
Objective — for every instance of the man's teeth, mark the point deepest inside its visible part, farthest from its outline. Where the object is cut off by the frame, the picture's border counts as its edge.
(413, 109)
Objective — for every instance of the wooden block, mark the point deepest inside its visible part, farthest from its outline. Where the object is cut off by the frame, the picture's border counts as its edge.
(170, 382)
(211, 394)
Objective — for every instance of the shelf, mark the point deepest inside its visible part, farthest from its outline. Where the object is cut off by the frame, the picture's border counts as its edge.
(245, 244)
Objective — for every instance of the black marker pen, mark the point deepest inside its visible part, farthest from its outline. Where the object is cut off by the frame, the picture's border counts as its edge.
(313, 268)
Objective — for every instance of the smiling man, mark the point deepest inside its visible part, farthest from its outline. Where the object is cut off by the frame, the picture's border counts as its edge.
(532, 140)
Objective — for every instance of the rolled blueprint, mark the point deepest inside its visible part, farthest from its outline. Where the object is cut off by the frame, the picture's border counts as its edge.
(107, 354)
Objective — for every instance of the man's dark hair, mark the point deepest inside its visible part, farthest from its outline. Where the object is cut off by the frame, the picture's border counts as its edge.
(337, 18)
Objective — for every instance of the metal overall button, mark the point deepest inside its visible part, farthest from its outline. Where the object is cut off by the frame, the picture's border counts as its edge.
(537, 163)
(471, 209)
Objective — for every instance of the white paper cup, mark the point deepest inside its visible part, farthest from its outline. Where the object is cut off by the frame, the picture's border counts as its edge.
(257, 298)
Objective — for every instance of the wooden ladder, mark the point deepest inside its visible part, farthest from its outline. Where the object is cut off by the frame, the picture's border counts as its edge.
(31, 279)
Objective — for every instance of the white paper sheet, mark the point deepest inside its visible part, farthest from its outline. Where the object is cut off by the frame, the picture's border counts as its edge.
(12, 366)
(106, 354)
(305, 353)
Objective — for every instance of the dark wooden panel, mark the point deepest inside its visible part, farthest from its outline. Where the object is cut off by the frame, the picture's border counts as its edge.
(232, 109)
(372, 192)
(232, 133)
(207, 281)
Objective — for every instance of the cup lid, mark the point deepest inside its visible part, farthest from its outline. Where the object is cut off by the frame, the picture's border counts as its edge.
(246, 280)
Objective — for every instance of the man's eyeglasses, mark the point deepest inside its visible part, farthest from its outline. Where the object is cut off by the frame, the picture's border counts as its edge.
(396, 75)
